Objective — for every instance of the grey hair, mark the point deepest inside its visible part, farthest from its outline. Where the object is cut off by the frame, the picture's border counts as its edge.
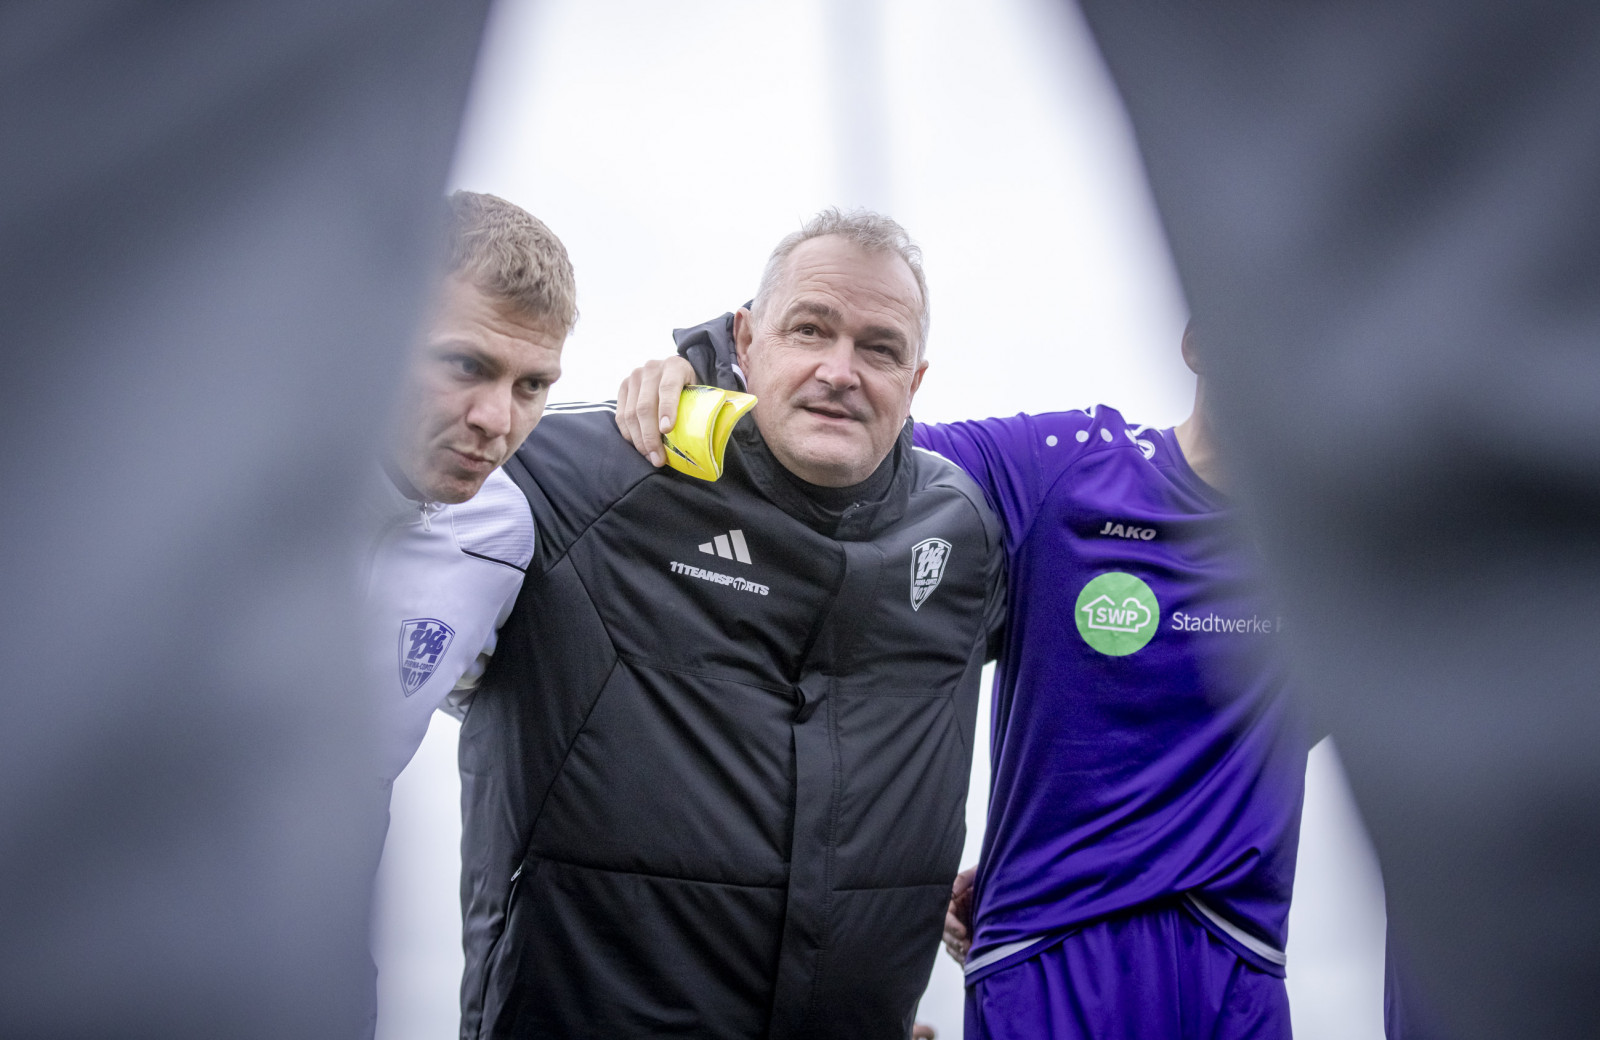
(872, 232)
(508, 252)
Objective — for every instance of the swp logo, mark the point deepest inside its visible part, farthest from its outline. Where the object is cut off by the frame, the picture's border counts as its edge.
(1117, 614)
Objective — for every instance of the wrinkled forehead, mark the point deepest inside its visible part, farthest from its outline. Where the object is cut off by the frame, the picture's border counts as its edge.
(855, 282)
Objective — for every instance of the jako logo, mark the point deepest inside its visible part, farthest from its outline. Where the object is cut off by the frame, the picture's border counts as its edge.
(1116, 530)
(1117, 614)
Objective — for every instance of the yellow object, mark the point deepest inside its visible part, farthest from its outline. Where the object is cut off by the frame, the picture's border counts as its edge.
(706, 417)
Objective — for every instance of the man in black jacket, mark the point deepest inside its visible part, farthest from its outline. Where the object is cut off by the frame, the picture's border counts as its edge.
(713, 784)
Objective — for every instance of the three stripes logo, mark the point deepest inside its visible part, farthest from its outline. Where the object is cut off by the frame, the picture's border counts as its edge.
(730, 546)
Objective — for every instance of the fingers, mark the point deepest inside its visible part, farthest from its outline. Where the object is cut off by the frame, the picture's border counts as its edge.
(675, 373)
(961, 897)
(958, 916)
(957, 928)
(957, 937)
(627, 393)
(923, 1031)
(956, 948)
(636, 411)
(647, 404)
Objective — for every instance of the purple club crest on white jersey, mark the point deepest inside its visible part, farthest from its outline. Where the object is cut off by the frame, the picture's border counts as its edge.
(423, 642)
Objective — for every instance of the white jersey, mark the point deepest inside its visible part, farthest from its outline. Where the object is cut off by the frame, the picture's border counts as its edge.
(441, 581)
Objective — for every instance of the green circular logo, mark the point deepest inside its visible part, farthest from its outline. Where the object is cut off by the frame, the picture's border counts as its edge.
(1117, 614)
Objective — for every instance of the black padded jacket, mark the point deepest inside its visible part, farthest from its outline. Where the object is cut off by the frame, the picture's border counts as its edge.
(714, 781)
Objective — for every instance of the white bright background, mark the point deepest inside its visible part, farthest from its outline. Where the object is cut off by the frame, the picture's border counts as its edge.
(671, 145)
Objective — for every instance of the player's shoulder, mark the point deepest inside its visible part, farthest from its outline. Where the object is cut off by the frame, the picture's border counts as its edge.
(1089, 427)
(574, 466)
(1080, 433)
(578, 430)
(578, 419)
(931, 469)
(1027, 430)
(935, 474)
(1072, 431)
(1093, 429)
(496, 524)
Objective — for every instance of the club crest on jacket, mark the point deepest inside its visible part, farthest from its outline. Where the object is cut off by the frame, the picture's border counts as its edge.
(928, 558)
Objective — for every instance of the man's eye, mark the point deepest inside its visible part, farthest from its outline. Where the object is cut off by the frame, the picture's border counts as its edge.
(465, 365)
(532, 387)
(807, 330)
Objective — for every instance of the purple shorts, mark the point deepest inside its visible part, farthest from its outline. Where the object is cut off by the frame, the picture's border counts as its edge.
(1154, 974)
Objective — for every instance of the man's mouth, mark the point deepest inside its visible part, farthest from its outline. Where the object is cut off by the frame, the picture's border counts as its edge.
(833, 412)
(473, 460)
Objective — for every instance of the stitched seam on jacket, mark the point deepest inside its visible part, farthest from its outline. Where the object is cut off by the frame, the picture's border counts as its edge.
(635, 661)
(779, 887)
(893, 888)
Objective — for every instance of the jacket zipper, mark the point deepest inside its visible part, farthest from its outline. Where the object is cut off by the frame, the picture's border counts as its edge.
(488, 959)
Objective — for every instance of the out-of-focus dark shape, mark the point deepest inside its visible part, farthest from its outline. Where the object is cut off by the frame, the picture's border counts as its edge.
(215, 224)
(1387, 220)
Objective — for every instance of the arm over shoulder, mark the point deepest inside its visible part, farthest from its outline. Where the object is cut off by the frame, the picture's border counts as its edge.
(571, 469)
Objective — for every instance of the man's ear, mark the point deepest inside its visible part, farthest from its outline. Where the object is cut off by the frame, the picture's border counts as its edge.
(916, 380)
(743, 334)
(1191, 349)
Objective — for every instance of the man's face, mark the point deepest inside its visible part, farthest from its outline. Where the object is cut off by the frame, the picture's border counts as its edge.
(833, 358)
(474, 390)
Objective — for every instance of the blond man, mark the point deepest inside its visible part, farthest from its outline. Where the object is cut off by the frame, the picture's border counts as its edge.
(455, 535)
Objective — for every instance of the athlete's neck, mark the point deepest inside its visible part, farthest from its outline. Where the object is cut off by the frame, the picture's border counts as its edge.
(1199, 446)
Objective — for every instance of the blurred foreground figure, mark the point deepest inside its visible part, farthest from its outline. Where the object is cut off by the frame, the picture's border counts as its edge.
(216, 223)
(1387, 217)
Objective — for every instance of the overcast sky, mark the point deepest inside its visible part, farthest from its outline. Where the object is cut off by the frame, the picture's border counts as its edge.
(671, 145)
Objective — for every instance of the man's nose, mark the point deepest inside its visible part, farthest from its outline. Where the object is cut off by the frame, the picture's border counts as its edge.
(837, 365)
(490, 411)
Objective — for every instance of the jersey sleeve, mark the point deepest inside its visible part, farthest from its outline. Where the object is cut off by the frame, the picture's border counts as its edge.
(997, 455)
(1016, 459)
(459, 698)
(496, 526)
(1002, 455)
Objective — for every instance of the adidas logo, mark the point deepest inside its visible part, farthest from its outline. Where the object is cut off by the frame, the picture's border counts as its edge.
(729, 546)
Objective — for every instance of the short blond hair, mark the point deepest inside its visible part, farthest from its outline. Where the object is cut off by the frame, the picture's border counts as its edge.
(507, 252)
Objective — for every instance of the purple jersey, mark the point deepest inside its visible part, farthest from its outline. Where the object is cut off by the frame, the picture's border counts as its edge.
(1143, 748)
